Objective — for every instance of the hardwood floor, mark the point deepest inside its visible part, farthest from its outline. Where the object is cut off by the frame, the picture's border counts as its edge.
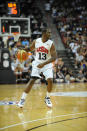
(69, 111)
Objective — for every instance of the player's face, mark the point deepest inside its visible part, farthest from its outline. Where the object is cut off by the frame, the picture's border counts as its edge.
(46, 35)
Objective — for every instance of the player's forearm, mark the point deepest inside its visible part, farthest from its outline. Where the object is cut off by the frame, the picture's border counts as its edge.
(27, 49)
(50, 60)
(24, 48)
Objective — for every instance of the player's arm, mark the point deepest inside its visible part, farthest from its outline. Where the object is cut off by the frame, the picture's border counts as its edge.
(53, 56)
(31, 48)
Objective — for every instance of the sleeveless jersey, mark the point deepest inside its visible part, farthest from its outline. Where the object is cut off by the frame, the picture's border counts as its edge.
(42, 50)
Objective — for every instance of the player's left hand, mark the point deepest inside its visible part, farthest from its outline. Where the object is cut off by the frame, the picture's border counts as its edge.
(40, 65)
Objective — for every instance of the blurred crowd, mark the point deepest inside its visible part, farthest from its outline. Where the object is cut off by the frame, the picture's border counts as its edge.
(70, 18)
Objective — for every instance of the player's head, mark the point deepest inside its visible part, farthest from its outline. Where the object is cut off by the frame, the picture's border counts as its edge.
(46, 33)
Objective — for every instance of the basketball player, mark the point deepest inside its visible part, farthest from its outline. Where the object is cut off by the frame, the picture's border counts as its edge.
(45, 55)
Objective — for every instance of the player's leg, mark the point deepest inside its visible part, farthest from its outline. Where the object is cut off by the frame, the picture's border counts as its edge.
(34, 76)
(25, 93)
(49, 86)
(49, 89)
(49, 77)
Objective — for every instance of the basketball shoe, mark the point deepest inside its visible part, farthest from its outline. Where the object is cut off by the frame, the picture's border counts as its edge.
(21, 103)
(48, 102)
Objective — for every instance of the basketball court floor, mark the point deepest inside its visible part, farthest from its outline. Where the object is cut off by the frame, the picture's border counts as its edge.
(69, 111)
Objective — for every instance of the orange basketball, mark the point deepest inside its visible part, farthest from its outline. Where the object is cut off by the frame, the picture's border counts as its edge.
(22, 55)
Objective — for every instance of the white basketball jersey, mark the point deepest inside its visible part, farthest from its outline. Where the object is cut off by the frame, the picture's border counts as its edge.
(42, 50)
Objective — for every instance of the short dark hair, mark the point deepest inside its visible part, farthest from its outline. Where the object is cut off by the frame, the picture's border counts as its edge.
(44, 30)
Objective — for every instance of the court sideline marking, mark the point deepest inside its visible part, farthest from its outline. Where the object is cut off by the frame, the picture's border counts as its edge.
(55, 122)
(39, 120)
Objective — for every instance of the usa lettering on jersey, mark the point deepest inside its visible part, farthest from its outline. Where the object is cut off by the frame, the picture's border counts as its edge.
(42, 49)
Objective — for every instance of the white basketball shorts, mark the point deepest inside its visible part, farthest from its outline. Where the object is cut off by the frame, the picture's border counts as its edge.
(47, 70)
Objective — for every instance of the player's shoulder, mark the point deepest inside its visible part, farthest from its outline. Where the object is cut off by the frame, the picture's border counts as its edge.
(50, 40)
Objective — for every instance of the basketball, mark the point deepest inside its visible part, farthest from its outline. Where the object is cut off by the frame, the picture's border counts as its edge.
(22, 55)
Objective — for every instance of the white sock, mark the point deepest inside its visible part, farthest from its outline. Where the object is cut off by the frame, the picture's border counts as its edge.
(48, 94)
(24, 95)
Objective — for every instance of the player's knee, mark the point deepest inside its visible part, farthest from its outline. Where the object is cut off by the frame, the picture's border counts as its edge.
(32, 81)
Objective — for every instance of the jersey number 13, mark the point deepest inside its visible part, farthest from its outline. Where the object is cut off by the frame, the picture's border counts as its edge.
(42, 56)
